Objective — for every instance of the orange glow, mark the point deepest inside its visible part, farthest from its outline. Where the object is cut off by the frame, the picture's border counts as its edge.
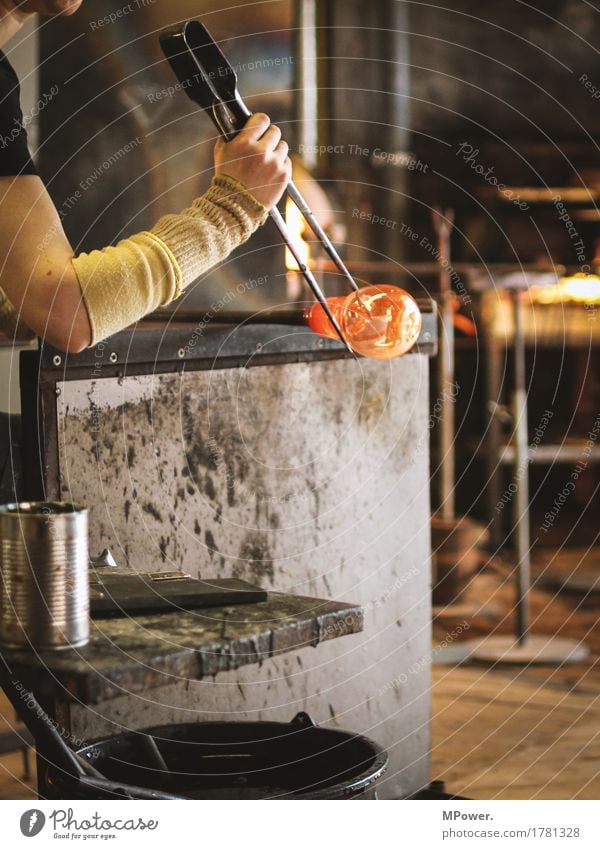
(580, 288)
(297, 227)
(379, 322)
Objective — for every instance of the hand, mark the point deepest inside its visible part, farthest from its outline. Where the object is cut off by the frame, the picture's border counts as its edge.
(258, 158)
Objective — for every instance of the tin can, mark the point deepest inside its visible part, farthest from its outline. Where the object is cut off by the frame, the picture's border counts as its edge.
(44, 587)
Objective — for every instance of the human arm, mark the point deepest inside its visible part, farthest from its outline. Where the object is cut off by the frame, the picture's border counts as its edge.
(75, 301)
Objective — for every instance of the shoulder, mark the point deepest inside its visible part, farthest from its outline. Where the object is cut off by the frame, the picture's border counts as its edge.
(14, 153)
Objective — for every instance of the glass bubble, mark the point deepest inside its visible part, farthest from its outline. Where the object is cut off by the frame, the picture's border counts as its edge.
(380, 321)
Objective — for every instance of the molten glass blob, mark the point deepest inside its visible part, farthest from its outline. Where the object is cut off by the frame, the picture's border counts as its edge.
(380, 322)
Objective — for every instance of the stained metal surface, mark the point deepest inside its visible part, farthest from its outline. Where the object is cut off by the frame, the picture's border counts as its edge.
(308, 478)
(134, 655)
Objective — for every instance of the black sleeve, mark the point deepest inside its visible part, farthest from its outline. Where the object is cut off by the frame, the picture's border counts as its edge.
(15, 158)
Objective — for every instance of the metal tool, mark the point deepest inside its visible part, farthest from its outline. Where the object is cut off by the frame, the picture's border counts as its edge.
(443, 221)
(77, 777)
(209, 80)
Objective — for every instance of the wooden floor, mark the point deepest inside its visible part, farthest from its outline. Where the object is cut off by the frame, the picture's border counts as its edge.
(498, 732)
(12, 783)
(502, 732)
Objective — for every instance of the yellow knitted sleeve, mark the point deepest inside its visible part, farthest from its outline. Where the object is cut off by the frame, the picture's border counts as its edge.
(123, 283)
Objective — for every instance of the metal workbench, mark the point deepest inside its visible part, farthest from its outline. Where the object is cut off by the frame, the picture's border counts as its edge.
(265, 453)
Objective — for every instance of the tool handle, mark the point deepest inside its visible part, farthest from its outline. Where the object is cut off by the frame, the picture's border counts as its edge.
(229, 129)
(230, 117)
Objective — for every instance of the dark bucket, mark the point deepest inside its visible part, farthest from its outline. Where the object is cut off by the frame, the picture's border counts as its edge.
(242, 760)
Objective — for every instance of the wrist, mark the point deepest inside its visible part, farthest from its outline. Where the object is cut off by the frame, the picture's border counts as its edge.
(225, 181)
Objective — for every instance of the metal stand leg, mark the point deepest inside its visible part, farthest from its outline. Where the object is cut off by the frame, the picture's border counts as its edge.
(521, 476)
(497, 413)
(443, 221)
(524, 648)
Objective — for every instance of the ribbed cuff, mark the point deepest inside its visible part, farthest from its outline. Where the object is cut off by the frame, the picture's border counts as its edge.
(216, 223)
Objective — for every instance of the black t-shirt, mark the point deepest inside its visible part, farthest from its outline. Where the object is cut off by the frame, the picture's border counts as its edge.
(15, 158)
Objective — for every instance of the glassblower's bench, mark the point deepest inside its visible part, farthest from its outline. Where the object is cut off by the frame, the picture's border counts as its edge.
(260, 452)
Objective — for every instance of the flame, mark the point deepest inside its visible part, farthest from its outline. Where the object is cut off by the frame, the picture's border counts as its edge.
(296, 226)
(578, 288)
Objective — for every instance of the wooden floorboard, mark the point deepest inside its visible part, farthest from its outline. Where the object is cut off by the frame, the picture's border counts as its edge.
(503, 732)
(12, 783)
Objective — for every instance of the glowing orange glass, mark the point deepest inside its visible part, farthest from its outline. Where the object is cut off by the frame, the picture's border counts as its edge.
(380, 322)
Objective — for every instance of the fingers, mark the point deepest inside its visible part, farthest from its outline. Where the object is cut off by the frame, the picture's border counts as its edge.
(256, 126)
(271, 138)
(282, 150)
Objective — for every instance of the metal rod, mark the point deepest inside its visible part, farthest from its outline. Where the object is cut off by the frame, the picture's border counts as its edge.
(40, 726)
(443, 221)
(380, 266)
(521, 477)
(148, 744)
(321, 235)
(306, 83)
(277, 218)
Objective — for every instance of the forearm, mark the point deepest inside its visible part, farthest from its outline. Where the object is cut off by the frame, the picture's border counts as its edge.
(121, 284)
(74, 301)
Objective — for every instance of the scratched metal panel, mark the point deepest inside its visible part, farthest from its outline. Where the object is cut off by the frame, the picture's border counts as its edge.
(308, 478)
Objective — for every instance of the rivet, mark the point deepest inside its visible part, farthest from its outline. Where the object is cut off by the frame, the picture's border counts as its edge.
(181, 353)
(113, 357)
(57, 360)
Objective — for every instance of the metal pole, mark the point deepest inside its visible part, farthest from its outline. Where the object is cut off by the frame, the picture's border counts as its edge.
(443, 221)
(521, 475)
(307, 82)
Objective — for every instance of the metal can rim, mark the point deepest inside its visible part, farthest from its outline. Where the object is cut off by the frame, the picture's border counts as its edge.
(62, 508)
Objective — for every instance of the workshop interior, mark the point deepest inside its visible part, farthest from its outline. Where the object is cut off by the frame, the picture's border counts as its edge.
(326, 526)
